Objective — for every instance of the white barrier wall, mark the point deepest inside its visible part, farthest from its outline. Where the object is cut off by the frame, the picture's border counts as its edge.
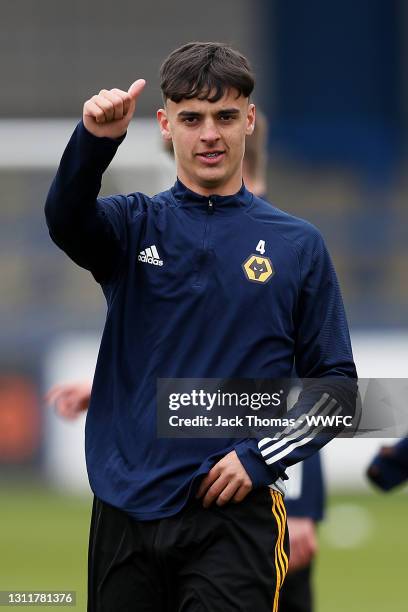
(71, 359)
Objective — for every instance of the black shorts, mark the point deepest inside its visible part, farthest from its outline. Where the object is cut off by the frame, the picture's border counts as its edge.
(220, 559)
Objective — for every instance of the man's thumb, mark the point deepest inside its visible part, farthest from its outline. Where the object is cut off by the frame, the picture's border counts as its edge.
(136, 88)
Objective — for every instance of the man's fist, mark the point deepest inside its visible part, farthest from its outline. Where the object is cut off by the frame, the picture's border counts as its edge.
(110, 112)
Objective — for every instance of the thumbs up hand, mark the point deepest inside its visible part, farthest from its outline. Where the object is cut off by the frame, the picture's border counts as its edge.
(110, 112)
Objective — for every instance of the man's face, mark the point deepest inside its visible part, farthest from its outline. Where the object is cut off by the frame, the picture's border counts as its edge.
(209, 140)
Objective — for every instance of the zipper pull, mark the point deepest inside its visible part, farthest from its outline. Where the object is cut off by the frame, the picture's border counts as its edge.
(210, 206)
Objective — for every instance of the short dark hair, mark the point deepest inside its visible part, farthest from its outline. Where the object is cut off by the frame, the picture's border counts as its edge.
(205, 70)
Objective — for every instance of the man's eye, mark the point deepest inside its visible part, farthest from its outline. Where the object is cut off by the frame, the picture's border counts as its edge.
(190, 120)
(225, 118)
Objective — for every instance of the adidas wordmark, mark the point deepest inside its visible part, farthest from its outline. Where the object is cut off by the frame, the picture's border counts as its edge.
(151, 256)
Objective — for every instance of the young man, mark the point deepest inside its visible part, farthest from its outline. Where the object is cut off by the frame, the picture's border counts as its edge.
(304, 499)
(204, 280)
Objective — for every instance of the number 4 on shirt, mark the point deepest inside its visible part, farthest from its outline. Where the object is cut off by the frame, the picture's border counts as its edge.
(261, 247)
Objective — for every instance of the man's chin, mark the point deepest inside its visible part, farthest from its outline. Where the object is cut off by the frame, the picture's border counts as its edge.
(212, 178)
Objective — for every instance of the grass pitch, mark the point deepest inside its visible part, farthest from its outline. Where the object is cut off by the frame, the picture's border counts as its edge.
(362, 565)
(43, 543)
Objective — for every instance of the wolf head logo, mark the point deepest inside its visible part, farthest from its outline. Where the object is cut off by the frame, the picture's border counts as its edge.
(258, 269)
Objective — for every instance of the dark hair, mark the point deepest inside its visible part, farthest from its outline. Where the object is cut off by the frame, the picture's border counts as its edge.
(205, 70)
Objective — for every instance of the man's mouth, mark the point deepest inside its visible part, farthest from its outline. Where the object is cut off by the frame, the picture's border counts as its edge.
(211, 156)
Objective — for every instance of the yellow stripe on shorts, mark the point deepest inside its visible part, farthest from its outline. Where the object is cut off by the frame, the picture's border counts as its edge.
(282, 509)
(281, 559)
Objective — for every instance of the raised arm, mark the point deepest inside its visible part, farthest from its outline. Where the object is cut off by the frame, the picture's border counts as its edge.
(91, 229)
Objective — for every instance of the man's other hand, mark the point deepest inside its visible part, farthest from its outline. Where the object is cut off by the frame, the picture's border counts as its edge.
(110, 112)
(226, 481)
(303, 542)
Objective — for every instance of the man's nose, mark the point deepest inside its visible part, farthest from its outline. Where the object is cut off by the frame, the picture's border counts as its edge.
(209, 132)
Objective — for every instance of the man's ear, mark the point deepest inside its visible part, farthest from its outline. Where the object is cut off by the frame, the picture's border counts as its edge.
(163, 124)
(250, 126)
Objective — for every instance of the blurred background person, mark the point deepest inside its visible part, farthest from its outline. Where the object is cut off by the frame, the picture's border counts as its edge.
(389, 467)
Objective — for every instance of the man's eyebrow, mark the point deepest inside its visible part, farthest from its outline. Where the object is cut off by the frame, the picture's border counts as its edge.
(229, 111)
(224, 111)
(186, 113)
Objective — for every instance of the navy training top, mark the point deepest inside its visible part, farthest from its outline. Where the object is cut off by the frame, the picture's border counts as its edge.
(190, 296)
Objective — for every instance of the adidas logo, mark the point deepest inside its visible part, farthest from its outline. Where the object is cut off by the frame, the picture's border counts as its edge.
(151, 256)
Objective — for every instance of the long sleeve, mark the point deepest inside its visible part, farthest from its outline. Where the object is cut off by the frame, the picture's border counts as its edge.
(89, 229)
(323, 359)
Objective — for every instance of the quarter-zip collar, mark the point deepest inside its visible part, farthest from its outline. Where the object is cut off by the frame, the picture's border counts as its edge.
(183, 196)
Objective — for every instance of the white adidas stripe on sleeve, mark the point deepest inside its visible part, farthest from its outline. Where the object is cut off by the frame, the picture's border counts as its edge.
(295, 445)
(298, 433)
(289, 428)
